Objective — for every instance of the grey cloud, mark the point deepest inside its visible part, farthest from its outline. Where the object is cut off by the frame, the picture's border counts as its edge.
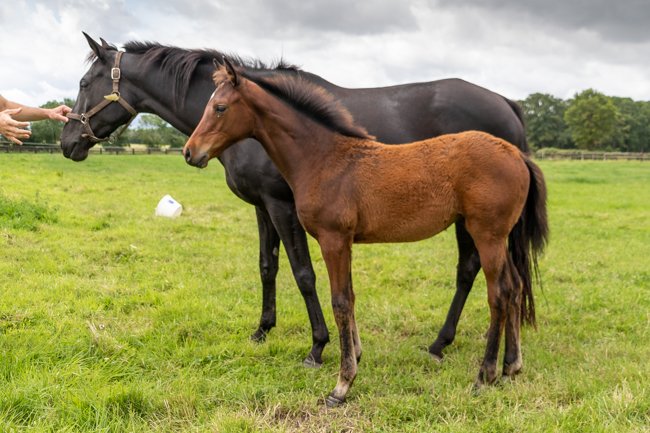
(351, 17)
(618, 21)
(290, 17)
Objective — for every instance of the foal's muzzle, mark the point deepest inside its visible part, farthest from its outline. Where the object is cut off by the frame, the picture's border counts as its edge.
(195, 159)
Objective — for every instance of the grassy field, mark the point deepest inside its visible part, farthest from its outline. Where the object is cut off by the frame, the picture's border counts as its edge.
(114, 320)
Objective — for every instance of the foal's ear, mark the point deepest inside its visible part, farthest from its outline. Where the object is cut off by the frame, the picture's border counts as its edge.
(99, 51)
(232, 73)
(105, 45)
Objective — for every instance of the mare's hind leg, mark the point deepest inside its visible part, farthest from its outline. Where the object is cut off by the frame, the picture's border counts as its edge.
(468, 266)
(493, 261)
(269, 243)
(294, 238)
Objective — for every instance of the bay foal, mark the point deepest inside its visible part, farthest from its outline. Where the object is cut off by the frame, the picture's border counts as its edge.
(349, 188)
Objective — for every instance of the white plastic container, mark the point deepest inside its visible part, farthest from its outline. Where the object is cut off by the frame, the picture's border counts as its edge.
(168, 207)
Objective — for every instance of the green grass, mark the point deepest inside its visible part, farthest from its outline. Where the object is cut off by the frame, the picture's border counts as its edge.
(114, 320)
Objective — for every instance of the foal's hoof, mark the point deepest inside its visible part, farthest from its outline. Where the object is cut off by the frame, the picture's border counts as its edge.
(259, 336)
(333, 402)
(511, 370)
(310, 362)
(486, 376)
(435, 357)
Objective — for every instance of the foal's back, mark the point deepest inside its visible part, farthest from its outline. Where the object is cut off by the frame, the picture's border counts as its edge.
(411, 192)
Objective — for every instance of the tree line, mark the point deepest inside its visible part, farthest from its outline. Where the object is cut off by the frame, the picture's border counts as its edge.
(588, 121)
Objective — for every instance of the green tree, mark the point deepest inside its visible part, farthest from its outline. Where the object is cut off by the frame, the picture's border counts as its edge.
(154, 131)
(48, 131)
(633, 126)
(592, 119)
(545, 126)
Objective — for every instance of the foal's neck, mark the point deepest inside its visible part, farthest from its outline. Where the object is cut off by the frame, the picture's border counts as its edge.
(297, 144)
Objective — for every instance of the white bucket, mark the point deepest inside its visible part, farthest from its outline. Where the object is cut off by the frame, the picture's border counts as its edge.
(168, 207)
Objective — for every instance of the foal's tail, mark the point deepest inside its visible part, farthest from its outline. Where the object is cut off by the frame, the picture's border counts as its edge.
(528, 238)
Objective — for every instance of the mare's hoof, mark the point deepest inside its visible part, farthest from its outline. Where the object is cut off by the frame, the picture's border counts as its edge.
(333, 402)
(259, 336)
(310, 362)
(435, 352)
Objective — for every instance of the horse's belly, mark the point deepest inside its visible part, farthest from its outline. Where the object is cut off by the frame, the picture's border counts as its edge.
(404, 227)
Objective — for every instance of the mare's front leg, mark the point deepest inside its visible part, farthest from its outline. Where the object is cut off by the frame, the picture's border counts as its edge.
(293, 236)
(268, 261)
(337, 253)
(468, 266)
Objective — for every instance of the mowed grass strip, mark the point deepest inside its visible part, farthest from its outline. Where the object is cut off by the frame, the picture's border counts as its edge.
(112, 319)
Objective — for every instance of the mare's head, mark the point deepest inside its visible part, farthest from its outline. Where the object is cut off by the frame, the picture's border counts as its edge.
(227, 118)
(100, 108)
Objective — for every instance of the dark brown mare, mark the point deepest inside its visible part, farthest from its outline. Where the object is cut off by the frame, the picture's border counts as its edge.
(175, 84)
(349, 188)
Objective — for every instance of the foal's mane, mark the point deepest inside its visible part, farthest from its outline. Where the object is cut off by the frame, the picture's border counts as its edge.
(181, 63)
(308, 98)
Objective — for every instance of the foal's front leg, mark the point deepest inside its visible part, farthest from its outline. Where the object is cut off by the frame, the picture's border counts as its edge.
(337, 253)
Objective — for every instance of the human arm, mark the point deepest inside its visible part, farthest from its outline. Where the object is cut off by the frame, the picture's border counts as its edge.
(34, 113)
(14, 118)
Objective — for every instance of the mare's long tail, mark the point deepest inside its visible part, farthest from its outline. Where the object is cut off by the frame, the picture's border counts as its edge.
(528, 238)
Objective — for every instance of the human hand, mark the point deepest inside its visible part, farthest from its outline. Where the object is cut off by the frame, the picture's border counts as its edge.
(12, 129)
(59, 113)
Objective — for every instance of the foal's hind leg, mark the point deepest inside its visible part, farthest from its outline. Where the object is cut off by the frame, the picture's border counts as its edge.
(512, 360)
(493, 262)
(294, 239)
(468, 266)
(269, 244)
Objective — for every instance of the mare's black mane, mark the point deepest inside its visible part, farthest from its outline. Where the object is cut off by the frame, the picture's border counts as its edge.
(181, 63)
(280, 78)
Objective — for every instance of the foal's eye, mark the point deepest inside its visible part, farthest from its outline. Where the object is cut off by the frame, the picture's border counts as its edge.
(220, 109)
(83, 84)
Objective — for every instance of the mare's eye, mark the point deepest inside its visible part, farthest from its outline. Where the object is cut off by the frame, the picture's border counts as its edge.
(220, 109)
(83, 84)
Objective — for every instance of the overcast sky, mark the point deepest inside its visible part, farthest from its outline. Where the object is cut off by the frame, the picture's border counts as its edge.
(514, 47)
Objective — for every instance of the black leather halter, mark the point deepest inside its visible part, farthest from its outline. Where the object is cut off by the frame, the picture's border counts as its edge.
(115, 96)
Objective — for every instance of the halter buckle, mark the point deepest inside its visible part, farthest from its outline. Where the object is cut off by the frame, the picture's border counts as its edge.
(115, 74)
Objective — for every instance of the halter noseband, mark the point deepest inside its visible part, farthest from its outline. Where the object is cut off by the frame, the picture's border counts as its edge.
(115, 96)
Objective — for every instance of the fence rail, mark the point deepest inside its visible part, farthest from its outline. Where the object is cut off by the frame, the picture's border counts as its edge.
(593, 156)
(117, 150)
(108, 150)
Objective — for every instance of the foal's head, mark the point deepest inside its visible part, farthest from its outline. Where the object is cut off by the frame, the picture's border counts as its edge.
(227, 119)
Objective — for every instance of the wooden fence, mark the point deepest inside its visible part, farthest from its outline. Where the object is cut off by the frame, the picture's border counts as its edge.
(593, 156)
(117, 150)
(108, 150)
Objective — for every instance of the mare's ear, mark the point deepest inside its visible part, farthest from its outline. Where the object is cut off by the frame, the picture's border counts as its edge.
(99, 51)
(232, 73)
(105, 44)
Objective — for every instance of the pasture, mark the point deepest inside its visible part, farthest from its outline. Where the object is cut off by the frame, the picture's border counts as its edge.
(112, 319)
